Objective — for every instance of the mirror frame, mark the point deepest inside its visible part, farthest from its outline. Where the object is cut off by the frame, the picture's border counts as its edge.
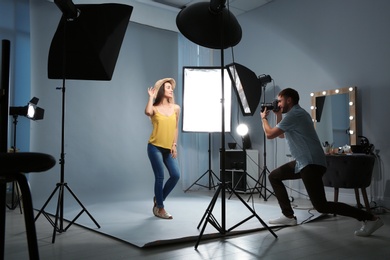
(352, 91)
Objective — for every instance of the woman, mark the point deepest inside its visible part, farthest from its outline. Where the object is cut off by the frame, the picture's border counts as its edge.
(162, 147)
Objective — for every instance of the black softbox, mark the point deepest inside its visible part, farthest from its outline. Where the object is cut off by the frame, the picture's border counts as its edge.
(90, 43)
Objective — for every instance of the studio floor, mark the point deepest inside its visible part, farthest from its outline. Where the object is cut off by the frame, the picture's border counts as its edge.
(320, 237)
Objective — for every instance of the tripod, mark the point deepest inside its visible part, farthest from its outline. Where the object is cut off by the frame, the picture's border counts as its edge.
(58, 224)
(209, 172)
(208, 216)
(61, 186)
(210, 19)
(15, 201)
(263, 175)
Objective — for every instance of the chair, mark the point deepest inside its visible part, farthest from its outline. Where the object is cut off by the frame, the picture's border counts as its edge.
(12, 167)
(349, 172)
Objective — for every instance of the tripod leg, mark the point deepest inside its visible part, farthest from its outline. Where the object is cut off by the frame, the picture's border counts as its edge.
(211, 178)
(210, 206)
(211, 181)
(215, 176)
(47, 202)
(59, 217)
(207, 215)
(196, 182)
(264, 185)
(211, 173)
(84, 209)
(15, 201)
(254, 214)
(248, 186)
(235, 185)
(18, 200)
(261, 182)
(59, 213)
(257, 187)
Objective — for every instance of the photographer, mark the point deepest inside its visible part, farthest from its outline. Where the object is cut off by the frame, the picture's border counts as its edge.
(309, 165)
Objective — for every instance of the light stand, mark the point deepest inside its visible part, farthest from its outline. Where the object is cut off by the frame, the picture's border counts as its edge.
(33, 112)
(58, 224)
(209, 172)
(263, 175)
(86, 46)
(242, 131)
(212, 26)
(249, 88)
(61, 186)
(15, 201)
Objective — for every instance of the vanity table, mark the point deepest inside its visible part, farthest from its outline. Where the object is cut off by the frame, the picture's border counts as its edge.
(349, 171)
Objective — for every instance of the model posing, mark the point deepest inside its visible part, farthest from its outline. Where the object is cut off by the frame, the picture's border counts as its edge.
(162, 144)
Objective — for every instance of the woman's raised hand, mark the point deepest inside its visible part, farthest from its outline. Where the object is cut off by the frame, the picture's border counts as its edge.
(151, 91)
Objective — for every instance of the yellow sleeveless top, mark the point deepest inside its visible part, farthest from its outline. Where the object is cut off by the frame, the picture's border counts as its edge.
(164, 128)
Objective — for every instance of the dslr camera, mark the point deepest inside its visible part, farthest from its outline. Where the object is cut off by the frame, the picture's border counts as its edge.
(270, 106)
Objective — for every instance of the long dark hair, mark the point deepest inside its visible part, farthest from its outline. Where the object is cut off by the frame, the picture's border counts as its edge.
(160, 95)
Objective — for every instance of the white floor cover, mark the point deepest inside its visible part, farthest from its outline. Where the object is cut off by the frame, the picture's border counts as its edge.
(133, 221)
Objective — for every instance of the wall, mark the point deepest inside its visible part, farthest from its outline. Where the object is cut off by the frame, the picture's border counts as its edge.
(317, 45)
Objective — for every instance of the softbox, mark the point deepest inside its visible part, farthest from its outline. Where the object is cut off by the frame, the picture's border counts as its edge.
(212, 29)
(247, 87)
(90, 43)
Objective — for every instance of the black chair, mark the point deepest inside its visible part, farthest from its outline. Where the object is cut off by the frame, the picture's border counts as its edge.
(349, 172)
(12, 168)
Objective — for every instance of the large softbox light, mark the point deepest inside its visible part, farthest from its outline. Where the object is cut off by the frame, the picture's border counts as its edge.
(90, 43)
(247, 86)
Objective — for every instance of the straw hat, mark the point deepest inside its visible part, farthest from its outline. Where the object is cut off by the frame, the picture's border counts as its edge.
(161, 82)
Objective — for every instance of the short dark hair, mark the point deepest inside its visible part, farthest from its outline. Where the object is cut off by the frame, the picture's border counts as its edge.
(290, 93)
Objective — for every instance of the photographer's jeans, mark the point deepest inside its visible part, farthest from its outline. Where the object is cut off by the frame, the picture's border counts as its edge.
(158, 158)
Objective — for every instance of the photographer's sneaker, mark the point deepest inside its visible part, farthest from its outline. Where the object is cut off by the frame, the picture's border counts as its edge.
(369, 227)
(283, 220)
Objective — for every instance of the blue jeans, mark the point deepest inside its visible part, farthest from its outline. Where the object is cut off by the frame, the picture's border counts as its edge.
(158, 158)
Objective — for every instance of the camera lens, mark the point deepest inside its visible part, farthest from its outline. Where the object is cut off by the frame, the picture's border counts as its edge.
(270, 106)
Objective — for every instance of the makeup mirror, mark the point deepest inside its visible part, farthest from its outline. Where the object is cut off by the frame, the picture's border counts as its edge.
(334, 115)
